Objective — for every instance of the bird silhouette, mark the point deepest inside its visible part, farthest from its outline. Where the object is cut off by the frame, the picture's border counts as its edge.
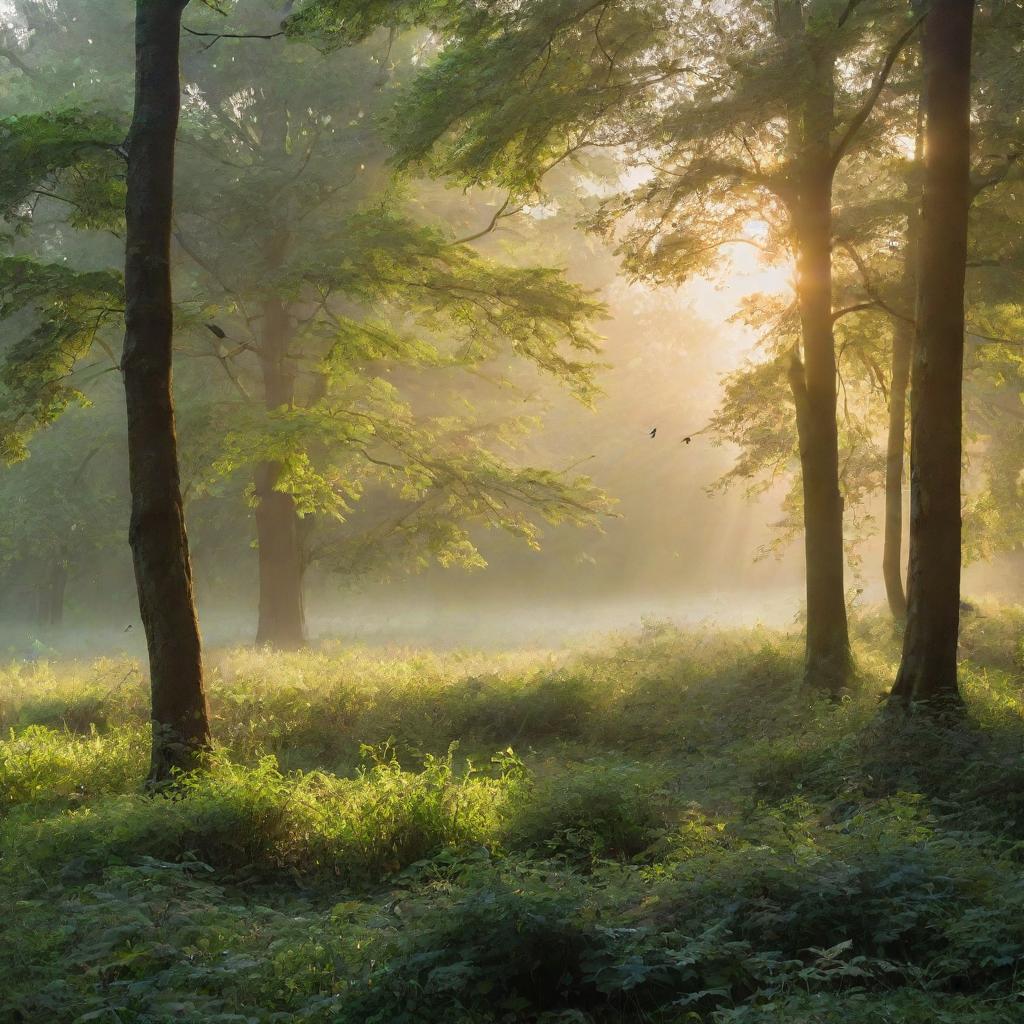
(217, 332)
(126, 628)
(687, 440)
(654, 431)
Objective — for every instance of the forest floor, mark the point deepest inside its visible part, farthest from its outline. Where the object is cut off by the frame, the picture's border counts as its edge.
(657, 828)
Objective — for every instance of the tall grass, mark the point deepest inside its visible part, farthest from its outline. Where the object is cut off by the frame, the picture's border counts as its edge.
(661, 828)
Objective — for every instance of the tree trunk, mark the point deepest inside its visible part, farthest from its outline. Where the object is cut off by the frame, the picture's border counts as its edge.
(279, 533)
(895, 457)
(282, 620)
(828, 661)
(163, 574)
(813, 381)
(896, 440)
(928, 668)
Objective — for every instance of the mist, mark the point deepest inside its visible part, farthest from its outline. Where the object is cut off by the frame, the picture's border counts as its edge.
(671, 542)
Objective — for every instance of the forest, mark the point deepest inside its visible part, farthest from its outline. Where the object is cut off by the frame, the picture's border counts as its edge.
(512, 511)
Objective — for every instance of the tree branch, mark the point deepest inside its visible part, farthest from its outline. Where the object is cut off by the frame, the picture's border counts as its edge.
(994, 177)
(217, 36)
(857, 307)
(864, 112)
(869, 286)
(502, 211)
(989, 339)
(18, 62)
(851, 6)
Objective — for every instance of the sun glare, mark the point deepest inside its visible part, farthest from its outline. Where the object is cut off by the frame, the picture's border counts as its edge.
(745, 270)
(906, 145)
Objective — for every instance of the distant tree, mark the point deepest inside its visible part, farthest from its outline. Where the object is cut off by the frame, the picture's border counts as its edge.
(928, 670)
(349, 350)
(63, 511)
(900, 309)
(357, 335)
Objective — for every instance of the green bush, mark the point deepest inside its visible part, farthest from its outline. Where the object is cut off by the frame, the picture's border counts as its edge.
(47, 766)
(592, 810)
(260, 821)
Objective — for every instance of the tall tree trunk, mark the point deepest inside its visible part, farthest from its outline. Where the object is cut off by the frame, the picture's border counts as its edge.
(828, 662)
(899, 382)
(163, 574)
(279, 532)
(895, 457)
(813, 381)
(928, 668)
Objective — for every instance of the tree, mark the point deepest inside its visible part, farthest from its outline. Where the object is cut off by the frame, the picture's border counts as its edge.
(163, 574)
(352, 309)
(875, 265)
(321, 348)
(723, 115)
(899, 383)
(928, 668)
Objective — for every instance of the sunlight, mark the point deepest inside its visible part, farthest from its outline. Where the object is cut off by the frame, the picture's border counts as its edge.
(745, 270)
(12, 21)
(905, 145)
(452, 562)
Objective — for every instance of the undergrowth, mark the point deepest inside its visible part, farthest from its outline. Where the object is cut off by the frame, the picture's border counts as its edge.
(665, 828)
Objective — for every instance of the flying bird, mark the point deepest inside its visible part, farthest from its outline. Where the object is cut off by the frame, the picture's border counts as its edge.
(654, 431)
(686, 440)
(126, 628)
(217, 332)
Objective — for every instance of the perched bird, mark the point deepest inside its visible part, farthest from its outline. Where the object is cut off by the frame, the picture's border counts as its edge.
(217, 332)
(654, 431)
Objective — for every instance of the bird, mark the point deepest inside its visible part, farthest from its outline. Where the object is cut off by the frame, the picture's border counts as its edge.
(126, 628)
(217, 332)
(686, 440)
(654, 431)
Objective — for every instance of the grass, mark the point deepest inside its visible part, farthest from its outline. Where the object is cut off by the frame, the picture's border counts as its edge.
(661, 828)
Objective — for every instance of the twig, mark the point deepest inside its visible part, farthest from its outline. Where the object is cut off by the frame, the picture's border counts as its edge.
(502, 211)
(217, 36)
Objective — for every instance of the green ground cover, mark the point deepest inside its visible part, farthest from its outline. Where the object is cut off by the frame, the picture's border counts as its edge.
(659, 827)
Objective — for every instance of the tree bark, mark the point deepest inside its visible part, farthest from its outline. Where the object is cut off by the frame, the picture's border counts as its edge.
(928, 669)
(828, 659)
(163, 574)
(895, 458)
(279, 533)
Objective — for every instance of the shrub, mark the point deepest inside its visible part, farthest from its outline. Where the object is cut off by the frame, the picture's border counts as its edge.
(47, 766)
(259, 821)
(592, 810)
